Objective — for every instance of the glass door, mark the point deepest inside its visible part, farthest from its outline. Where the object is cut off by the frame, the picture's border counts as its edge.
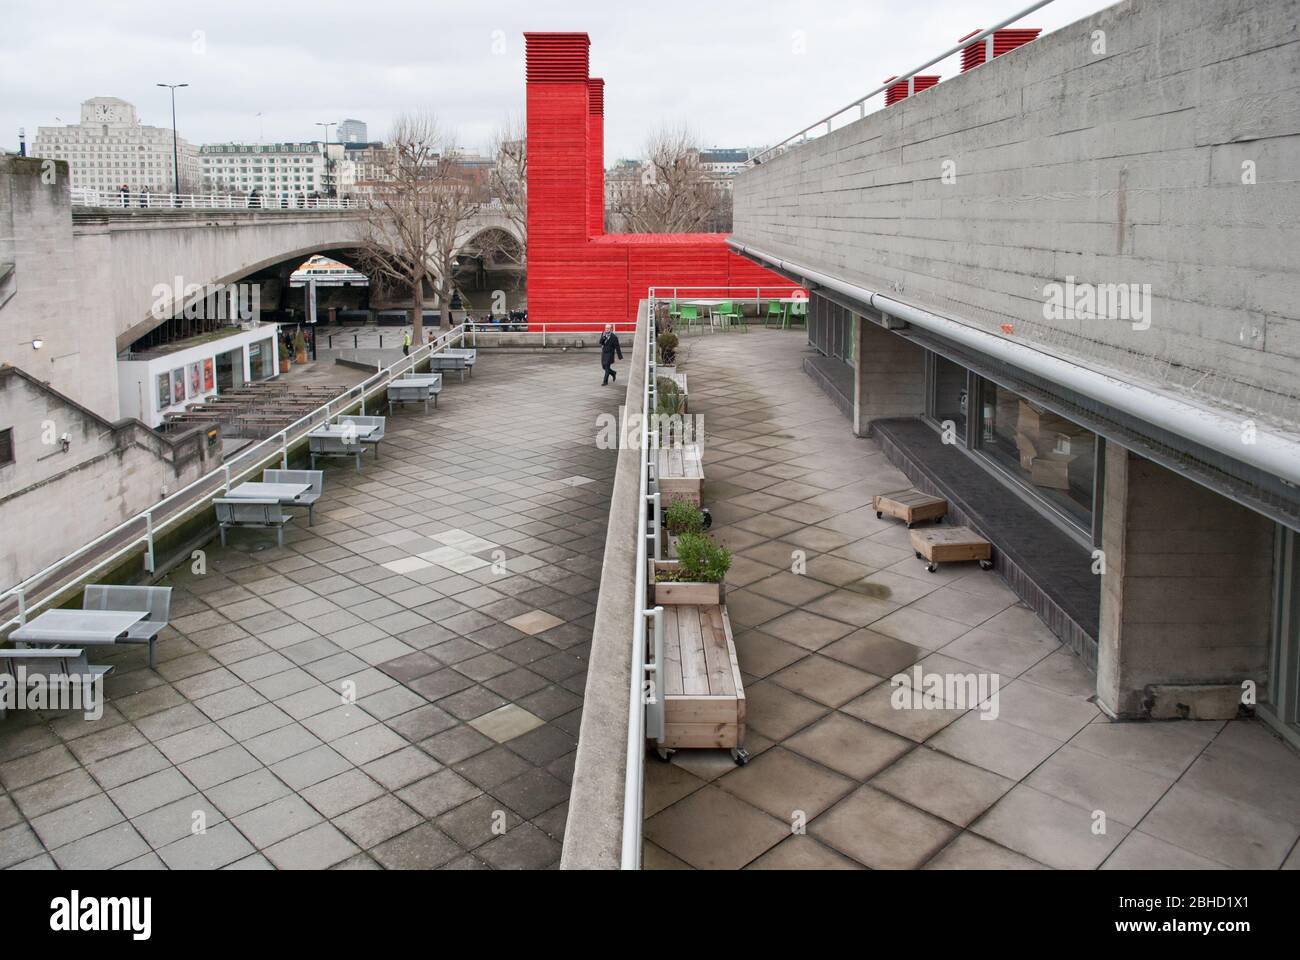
(1283, 704)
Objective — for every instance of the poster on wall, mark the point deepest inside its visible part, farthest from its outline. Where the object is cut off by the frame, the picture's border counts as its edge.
(209, 378)
(164, 390)
(178, 385)
(196, 379)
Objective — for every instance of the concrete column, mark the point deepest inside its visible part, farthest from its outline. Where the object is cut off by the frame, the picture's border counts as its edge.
(1186, 596)
(890, 377)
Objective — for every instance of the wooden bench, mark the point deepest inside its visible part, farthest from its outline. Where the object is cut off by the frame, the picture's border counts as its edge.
(704, 697)
(910, 506)
(680, 473)
(938, 545)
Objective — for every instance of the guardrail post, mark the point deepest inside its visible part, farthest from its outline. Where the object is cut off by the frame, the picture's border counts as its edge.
(543, 335)
(655, 524)
(148, 532)
(227, 466)
(284, 446)
(654, 721)
(22, 604)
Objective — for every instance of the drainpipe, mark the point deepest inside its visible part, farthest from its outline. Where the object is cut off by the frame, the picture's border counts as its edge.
(1278, 454)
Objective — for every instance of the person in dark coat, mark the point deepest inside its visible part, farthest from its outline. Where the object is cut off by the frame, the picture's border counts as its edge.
(609, 346)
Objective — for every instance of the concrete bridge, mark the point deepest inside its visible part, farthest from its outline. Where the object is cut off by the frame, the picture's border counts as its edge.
(132, 250)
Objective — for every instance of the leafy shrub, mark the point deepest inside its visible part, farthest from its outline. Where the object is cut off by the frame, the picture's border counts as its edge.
(682, 516)
(701, 560)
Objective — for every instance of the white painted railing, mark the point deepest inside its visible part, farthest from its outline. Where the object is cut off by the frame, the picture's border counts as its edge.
(145, 200)
(826, 124)
(142, 530)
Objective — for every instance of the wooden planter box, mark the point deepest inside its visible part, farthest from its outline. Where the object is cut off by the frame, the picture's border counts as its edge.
(938, 545)
(704, 697)
(680, 473)
(671, 593)
(910, 506)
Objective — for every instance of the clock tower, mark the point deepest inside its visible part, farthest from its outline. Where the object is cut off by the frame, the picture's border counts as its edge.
(108, 110)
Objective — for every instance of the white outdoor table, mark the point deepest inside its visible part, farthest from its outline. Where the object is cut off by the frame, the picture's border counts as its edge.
(357, 430)
(78, 627)
(283, 492)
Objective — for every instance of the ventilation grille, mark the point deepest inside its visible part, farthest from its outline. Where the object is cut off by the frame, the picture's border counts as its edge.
(901, 90)
(557, 57)
(1003, 41)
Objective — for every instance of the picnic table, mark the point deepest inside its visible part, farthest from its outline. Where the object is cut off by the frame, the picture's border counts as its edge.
(416, 388)
(80, 627)
(357, 430)
(283, 492)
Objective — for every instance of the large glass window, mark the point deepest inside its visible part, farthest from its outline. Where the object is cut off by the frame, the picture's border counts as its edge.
(1053, 456)
(948, 400)
(1282, 704)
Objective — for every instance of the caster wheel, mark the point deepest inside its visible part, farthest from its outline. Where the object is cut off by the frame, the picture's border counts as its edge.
(909, 526)
(919, 557)
(986, 564)
(879, 514)
(932, 567)
(938, 519)
(663, 754)
(740, 755)
(708, 517)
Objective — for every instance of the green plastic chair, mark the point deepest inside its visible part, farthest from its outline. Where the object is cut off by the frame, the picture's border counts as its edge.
(799, 312)
(690, 315)
(776, 310)
(727, 313)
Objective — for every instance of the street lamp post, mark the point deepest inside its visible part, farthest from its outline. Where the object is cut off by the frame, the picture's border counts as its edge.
(176, 161)
(329, 164)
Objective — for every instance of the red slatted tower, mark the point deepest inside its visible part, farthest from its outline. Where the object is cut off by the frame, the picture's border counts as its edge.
(576, 272)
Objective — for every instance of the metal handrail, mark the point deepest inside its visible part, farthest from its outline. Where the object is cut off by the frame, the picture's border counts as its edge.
(860, 104)
(183, 501)
(148, 200)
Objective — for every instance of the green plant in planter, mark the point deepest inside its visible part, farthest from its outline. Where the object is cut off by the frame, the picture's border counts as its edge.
(683, 517)
(667, 347)
(670, 396)
(700, 560)
(299, 344)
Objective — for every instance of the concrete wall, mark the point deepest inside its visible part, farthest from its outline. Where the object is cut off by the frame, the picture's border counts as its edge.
(1119, 167)
(1187, 593)
(889, 375)
(46, 289)
(52, 501)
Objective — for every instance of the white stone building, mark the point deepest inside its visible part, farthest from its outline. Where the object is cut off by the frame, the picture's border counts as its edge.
(284, 170)
(111, 147)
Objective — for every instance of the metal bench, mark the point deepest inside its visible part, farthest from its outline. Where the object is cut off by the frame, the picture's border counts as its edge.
(469, 353)
(157, 601)
(66, 664)
(314, 477)
(251, 513)
(334, 445)
(374, 436)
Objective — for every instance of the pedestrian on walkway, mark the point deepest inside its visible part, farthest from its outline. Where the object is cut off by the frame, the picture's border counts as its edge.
(609, 346)
(406, 343)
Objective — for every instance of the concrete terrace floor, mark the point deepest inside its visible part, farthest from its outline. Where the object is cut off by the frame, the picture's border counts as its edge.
(468, 675)
(901, 788)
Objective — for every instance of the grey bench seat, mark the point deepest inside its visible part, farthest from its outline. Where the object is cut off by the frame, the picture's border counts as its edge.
(265, 514)
(315, 478)
(64, 665)
(156, 601)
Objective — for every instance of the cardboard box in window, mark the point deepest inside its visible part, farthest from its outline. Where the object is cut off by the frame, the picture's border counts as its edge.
(1051, 471)
(1043, 427)
(1028, 451)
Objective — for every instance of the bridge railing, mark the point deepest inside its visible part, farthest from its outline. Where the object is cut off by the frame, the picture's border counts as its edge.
(138, 534)
(147, 200)
(859, 106)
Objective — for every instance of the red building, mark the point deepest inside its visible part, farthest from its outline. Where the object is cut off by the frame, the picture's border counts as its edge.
(577, 272)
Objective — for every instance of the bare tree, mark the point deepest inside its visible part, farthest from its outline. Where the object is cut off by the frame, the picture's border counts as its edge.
(417, 210)
(672, 193)
(509, 185)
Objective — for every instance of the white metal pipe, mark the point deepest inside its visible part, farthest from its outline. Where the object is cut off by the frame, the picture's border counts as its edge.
(1277, 454)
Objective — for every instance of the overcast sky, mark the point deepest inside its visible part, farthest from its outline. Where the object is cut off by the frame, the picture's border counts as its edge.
(741, 73)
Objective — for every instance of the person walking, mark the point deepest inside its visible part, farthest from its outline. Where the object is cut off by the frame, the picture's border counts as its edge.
(406, 343)
(609, 346)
